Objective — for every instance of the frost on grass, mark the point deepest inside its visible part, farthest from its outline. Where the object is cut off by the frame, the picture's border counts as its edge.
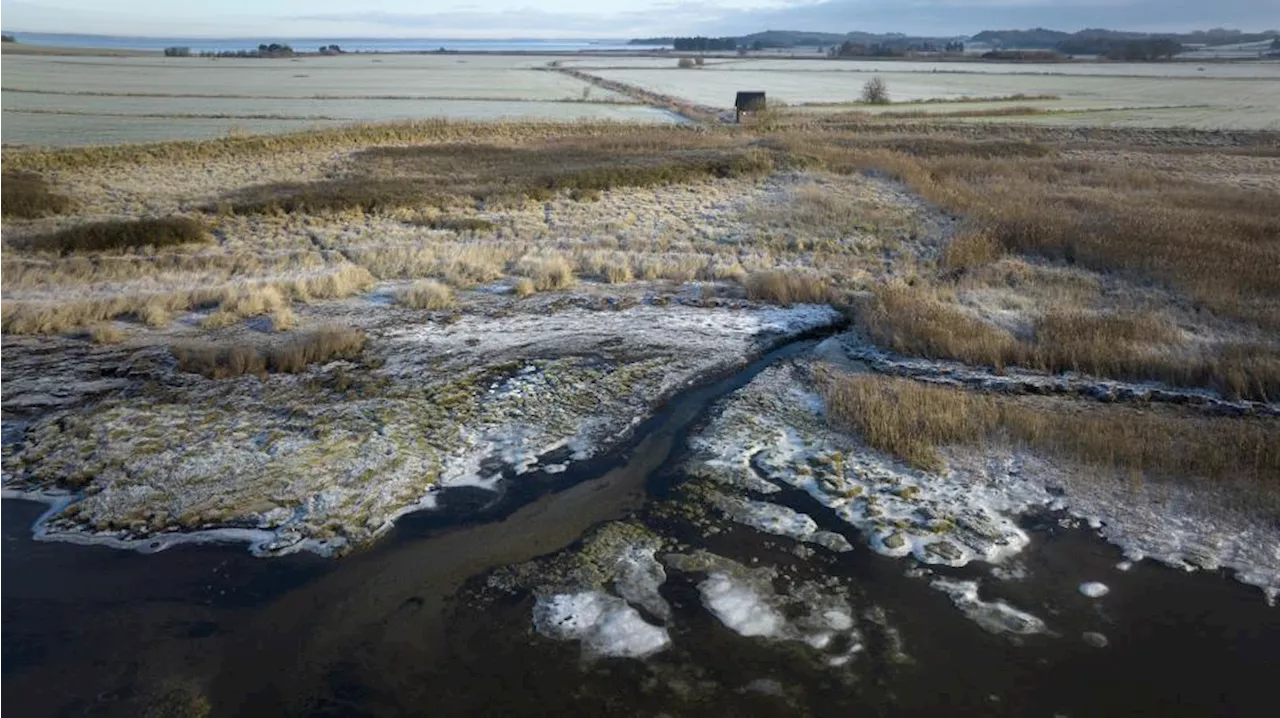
(772, 434)
(772, 431)
(993, 616)
(330, 458)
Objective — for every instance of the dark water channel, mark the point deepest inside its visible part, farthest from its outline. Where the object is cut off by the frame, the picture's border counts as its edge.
(91, 631)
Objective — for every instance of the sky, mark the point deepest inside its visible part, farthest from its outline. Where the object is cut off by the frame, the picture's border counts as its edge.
(615, 18)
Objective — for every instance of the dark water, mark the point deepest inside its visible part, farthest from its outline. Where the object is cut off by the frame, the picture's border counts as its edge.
(391, 631)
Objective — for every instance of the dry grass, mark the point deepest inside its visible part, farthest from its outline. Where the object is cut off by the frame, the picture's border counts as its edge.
(225, 361)
(427, 294)
(970, 250)
(26, 195)
(546, 272)
(814, 212)
(524, 287)
(457, 175)
(788, 287)
(927, 321)
(915, 320)
(1216, 243)
(120, 235)
(910, 420)
(105, 333)
(157, 309)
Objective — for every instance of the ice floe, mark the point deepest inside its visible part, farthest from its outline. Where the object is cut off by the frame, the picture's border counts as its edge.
(993, 616)
(1093, 589)
(779, 520)
(606, 625)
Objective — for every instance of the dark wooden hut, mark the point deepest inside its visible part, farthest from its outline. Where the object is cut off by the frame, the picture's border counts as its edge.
(747, 102)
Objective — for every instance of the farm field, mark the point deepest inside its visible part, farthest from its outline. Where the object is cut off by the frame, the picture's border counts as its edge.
(1243, 102)
(59, 100)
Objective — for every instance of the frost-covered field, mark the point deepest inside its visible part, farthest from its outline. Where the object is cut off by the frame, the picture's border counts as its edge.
(1244, 96)
(54, 100)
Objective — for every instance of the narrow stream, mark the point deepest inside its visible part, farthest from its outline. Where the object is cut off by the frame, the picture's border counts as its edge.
(99, 632)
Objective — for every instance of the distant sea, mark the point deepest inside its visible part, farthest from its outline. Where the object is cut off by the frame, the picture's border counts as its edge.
(350, 44)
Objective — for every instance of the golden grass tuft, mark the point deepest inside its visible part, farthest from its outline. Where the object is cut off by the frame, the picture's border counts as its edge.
(225, 361)
(548, 272)
(157, 309)
(27, 195)
(427, 294)
(910, 420)
(786, 287)
(926, 321)
(119, 235)
(912, 320)
(106, 333)
(970, 250)
(524, 287)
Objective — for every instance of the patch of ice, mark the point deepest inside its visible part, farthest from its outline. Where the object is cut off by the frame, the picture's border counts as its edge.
(1093, 589)
(778, 520)
(606, 625)
(740, 607)
(993, 616)
(775, 427)
(638, 575)
(1097, 640)
(1124, 565)
(748, 605)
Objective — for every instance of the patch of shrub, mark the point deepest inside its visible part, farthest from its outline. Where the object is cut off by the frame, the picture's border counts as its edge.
(26, 195)
(426, 294)
(875, 92)
(781, 286)
(121, 234)
(225, 361)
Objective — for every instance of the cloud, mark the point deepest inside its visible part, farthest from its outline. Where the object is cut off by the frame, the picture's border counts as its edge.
(933, 17)
(631, 18)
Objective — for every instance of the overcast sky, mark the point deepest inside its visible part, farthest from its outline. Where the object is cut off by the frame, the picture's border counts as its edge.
(615, 18)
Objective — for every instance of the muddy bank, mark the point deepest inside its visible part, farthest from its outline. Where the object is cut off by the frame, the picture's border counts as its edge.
(327, 460)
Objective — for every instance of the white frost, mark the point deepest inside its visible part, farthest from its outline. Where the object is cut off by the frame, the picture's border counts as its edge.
(606, 625)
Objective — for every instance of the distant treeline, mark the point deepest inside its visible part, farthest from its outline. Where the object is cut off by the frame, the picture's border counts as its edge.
(880, 49)
(1098, 41)
(1108, 43)
(704, 44)
(273, 50)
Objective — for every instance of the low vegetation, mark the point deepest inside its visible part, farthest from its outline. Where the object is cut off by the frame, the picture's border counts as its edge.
(446, 176)
(27, 195)
(293, 355)
(928, 321)
(912, 420)
(426, 294)
(787, 287)
(119, 235)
